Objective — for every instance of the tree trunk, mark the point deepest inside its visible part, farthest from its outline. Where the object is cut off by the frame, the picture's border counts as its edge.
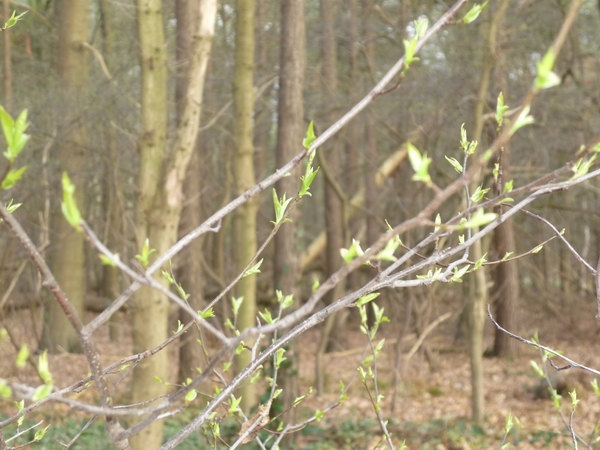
(66, 253)
(151, 309)
(478, 295)
(290, 130)
(244, 222)
(332, 332)
(507, 274)
(7, 59)
(190, 269)
(111, 286)
(160, 209)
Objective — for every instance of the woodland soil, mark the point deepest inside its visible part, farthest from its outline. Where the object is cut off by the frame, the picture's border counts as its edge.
(427, 396)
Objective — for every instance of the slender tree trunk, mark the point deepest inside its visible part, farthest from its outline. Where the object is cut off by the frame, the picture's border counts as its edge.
(507, 274)
(290, 113)
(66, 253)
(159, 215)
(478, 295)
(7, 59)
(244, 222)
(190, 268)
(334, 216)
(111, 287)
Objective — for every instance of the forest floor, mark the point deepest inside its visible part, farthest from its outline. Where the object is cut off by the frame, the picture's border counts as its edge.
(433, 403)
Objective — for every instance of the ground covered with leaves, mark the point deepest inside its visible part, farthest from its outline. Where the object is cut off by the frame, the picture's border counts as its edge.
(433, 394)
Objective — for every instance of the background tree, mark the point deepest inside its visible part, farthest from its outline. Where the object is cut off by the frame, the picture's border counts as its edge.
(66, 252)
(290, 131)
(244, 222)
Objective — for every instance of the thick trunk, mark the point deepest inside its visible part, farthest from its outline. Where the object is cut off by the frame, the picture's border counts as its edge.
(244, 222)
(66, 253)
(160, 206)
(150, 308)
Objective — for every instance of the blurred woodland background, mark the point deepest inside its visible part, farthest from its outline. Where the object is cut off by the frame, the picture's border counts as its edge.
(76, 66)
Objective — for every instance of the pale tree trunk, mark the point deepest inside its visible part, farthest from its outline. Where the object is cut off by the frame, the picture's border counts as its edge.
(150, 309)
(190, 269)
(160, 206)
(66, 253)
(334, 216)
(478, 292)
(290, 130)
(244, 222)
(507, 274)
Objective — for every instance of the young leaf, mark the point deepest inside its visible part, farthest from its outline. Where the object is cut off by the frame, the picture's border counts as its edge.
(478, 219)
(582, 167)
(12, 177)
(538, 370)
(309, 176)
(44, 368)
(106, 261)
(144, 257)
(387, 254)
(421, 26)
(501, 109)
(457, 166)
(14, 133)
(279, 358)
(353, 252)
(254, 269)
(191, 396)
(41, 392)
(545, 77)
(39, 434)
(473, 13)
(284, 300)
(209, 313)
(420, 164)
(69, 206)
(410, 48)
(310, 136)
(12, 21)
(367, 298)
(508, 186)
(22, 356)
(280, 207)
(5, 390)
(478, 194)
(266, 316)
(235, 304)
(458, 273)
(522, 120)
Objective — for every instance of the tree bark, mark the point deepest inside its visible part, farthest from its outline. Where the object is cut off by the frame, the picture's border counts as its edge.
(507, 274)
(190, 268)
(111, 286)
(290, 130)
(67, 252)
(160, 205)
(244, 222)
(334, 214)
(478, 295)
(7, 59)
(151, 309)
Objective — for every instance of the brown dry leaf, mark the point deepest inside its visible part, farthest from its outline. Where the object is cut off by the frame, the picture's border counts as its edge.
(263, 413)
